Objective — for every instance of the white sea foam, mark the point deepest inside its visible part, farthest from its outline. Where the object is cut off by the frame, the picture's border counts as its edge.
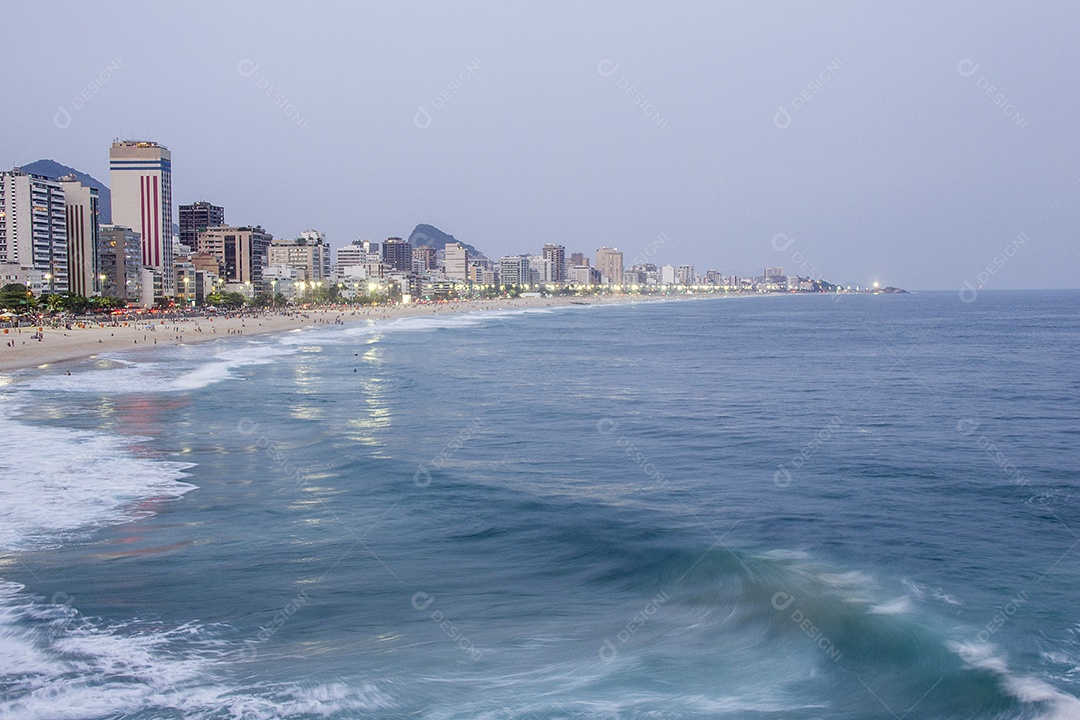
(333, 335)
(55, 663)
(160, 377)
(57, 482)
(896, 606)
(1027, 689)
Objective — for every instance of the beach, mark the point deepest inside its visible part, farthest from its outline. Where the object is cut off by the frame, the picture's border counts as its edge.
(20, 348)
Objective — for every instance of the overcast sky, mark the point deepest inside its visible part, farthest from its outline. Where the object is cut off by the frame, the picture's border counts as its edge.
(906, 142)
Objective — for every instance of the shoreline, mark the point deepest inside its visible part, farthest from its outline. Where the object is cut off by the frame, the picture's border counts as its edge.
(62, 346)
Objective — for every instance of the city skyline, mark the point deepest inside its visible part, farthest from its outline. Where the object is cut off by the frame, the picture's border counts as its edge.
(906, 143)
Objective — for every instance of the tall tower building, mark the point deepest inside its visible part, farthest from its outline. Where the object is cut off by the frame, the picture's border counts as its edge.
(120, 261)
(424, 259)
(33, 226)
(140, 178)
(457, 261)
(609, 263)
(198, 216)
(81, 209)
(397, 253)
(242, 251)
(556, 254)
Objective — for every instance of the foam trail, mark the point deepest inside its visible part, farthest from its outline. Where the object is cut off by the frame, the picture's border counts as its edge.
(54, 663)
(160, 377)
(56, 483)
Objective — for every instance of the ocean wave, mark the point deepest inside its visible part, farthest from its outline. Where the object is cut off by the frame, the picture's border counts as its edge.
(448, 320)
(55, 663)
(171, 376)
(58, 483)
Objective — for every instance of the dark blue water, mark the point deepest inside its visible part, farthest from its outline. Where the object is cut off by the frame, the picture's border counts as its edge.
(774, 507)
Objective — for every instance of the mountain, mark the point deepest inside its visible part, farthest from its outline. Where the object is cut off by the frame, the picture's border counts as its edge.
(436, 238)
(53, 169)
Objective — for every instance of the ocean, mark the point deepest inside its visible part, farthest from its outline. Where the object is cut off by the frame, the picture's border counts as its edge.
(748, 507)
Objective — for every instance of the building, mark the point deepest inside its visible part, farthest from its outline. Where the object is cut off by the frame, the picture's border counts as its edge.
(397, 253)
(514, 270)
(609, 261)
(424, 259)
(33, 226)
(283, 280)
(243, 253)
(577, 259)
(685, 275)
(34, 280)
(358, 252)
(140, 179)
(556, 255)
(186, 285)
(585, 275)
(667, 274)
(457, 262)
(541, 269)
(119, 262)
(308, 254)
(81, 210)
(774, 274)
(198, 216)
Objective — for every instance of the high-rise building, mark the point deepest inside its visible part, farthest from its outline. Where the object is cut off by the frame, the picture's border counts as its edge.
(140, 179)
(358, 252)
(685, 275)
(33, 226)
(667, 275)
(540, 269)
(308, 254)
(577, 259)
(775, 274)
(609, 261)
(397, 253)
(242, 251)
(81, 209)
(457, 262)
(120, 261)
(424, 259)
(514, 270)
(556, 255)
(198, 216)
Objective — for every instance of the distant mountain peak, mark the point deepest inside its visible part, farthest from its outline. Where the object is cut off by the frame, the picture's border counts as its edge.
(430, 235)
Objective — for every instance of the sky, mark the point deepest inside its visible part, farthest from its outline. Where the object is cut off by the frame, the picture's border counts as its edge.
(919, 144)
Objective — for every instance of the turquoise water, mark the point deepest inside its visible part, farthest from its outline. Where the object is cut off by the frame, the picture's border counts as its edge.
(767, 507)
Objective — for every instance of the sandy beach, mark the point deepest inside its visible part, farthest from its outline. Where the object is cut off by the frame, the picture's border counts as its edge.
(19, 348)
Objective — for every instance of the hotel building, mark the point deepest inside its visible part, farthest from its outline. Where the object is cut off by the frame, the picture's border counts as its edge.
(33, 227)
(140, 178)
